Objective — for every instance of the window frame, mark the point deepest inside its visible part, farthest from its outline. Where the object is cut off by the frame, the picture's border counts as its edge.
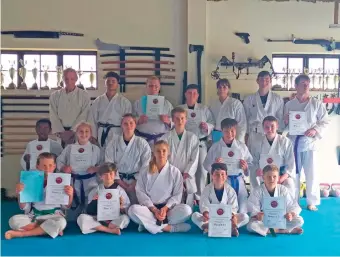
(60, 62)
(306, 58)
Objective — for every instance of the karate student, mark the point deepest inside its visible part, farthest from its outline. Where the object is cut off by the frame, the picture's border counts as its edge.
(159, 191)
(200, 121)
(273, 145)
(228, 107)
(88, 222)
(131, 155)
(81, 160)
(184, 152)
(305, 146)
(108, 109)
(40, 218)
(153, 129)
(271, 188)
(234, 150)
(219, 192)
(260, 105)
(68, 106)
(43, 129)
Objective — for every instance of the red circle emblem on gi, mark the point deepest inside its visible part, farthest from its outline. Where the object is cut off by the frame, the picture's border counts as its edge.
(274, 204)
(220, 211)
(155, 101)
(297, 116)
(231, 154)
(58, 180)
(270, 160)
(39, 147)
(108, 196)
(193, 115)
(81, 150)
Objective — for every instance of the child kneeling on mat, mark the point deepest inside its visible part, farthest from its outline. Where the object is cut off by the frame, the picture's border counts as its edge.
(271, 188)
(40, 218)
(219, 192)
(88, 222)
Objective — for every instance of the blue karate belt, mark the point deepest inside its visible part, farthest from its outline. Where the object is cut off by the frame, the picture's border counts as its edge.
(234, 182)
(296, 144)
(127, 176)
(62, 142)
(106, 129)
(148, 137)
(81, 178)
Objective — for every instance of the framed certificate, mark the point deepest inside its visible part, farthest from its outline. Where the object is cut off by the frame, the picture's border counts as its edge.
(194, 120)
(55, 189)
(80, 159)
(274, 209)
(267, 159)
(154, 106)
(36, 148)
(231, 158)
(219, 220)
(298, 124)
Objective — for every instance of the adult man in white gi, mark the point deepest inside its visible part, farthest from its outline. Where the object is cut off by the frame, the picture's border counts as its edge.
(68, 106)
(107, 110)
(228, 107)
(200, 121)
(260, 105)
(305, 145)
(184, 152)
(152, 129)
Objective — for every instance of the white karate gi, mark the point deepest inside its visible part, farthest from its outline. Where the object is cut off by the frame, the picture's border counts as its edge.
(55, 148)
(153, 129)
(164, 187)
(209, 197)
(255, 113)
(255, 203)
(79, 172)
(216, 152)
(68, 109)
(105, 112)
(184, 155)
(206, 116)
(87, 223)
(231, 108)
(130, 159)
(317, 118)
(281, 146)
(52, 223)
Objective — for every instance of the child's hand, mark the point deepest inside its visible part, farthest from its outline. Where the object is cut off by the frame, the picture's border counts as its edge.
(310, 133)
(163, 212)
(95, 198)
(259, 173)
(19, 187)
(121, 201)
(27, 157)
(289, 216)
(219, 160)
(92, 170)
(142, 119)
(234, 219)
(204, 127)
(67, 169)
(186, 175)
(259, 216)
(164, 118)
(243, 165)
(205, 216)
(286, 119)
(68, 190)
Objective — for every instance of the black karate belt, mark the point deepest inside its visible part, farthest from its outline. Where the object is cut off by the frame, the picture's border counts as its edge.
(148, 137)
(62, 142)
(127, 176)
(106, 129)
(204, 139)
(81, 178)
(160, 206)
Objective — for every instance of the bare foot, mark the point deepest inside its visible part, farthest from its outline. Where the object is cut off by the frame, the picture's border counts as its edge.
(297, 231)
(205, 228)
(12, 234)
(115, 231)
(312, 207)
(235, 232)
(30, 226)
(61, 233)
(112, 226)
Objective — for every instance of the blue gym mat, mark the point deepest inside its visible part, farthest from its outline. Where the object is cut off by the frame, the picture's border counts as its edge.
(321, 237)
